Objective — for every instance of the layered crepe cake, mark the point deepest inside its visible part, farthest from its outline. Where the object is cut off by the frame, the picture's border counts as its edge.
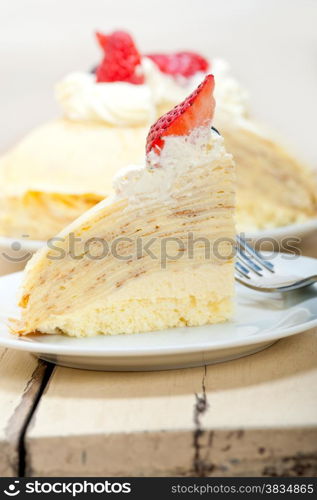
(64, 167)
(158, 252)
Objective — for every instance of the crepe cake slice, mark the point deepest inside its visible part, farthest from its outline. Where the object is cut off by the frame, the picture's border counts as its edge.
(158, 253)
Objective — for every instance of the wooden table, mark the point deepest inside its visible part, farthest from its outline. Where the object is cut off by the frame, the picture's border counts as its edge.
(252, 416)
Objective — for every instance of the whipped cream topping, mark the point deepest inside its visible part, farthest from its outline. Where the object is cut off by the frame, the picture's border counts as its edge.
(180, 154)
(125, 104)
(167, 90)
(230, 97)
(114, 103)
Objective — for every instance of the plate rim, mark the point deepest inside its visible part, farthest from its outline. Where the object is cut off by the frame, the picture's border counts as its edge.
(37, 347)
(30, 245)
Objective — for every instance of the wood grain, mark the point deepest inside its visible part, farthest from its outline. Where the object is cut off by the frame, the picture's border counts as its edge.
(20, 376)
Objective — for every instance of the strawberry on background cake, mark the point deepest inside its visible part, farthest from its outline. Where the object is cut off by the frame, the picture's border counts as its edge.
(169, 228)
(64, 167)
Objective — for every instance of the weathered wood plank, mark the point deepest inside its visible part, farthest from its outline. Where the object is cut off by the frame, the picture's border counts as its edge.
(269, 400)
(256, 415)
(92, 423)
(20, 379)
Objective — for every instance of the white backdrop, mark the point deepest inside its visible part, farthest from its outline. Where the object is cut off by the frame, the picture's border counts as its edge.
(271, 45)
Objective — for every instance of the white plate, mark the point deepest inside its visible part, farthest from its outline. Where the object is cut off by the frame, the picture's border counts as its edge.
(260, 320)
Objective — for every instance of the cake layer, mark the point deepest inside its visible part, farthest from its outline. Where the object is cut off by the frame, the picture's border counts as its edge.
(154, 302)
(40, 215)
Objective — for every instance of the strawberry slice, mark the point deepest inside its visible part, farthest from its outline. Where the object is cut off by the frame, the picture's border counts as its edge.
(196, 111)
(122, 61)
(180, 64)
(102, 39)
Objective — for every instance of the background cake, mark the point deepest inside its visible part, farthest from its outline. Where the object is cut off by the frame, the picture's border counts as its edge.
(66, 166)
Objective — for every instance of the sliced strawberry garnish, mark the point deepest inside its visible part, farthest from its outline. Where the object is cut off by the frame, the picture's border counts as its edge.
(180, 64)
(196, 111)
(122, 61)
(101, 39)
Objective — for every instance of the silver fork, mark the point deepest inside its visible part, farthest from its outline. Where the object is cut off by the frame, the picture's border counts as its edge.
(253, 271)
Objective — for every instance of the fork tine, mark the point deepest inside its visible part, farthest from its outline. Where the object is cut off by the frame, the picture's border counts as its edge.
(247, 262)
(249, 249)
(241, 270)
